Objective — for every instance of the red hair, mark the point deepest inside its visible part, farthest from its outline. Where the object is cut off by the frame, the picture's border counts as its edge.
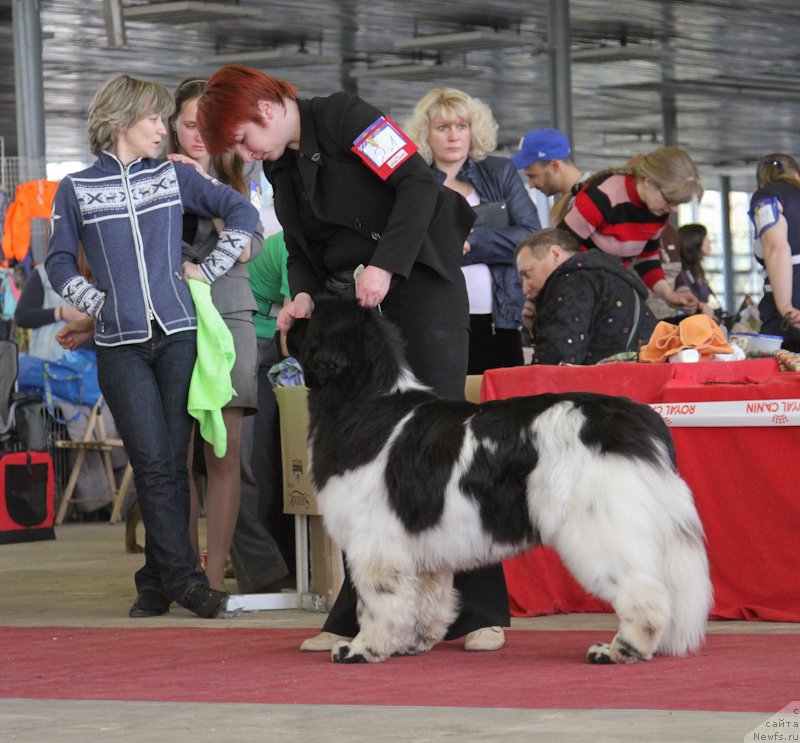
(231, 98)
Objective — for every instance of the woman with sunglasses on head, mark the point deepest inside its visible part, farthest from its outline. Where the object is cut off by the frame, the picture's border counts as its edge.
(623, 211)
(350, 190)
(775, 212)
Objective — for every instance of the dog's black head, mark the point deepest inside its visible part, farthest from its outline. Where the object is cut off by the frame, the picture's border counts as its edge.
(343, 345)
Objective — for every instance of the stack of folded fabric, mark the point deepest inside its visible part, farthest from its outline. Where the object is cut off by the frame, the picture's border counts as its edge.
(787, 360)
(699, 334)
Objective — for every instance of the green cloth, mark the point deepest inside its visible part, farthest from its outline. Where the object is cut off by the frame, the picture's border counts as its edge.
(269, 282)
(210, 388)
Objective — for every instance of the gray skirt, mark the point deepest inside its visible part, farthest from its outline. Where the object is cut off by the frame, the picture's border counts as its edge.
(243, 374)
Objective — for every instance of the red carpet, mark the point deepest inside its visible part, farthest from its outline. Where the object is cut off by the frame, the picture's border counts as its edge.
(736, 673)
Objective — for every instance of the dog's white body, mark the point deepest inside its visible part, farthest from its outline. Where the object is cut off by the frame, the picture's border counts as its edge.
(625, 526)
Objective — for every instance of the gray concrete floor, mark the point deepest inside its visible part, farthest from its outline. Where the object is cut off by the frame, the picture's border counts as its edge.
(84, 579)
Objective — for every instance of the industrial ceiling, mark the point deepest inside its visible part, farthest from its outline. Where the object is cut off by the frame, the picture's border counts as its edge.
(726, 71)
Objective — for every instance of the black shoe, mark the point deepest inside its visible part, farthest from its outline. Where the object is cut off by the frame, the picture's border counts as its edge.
(204, 601)
(149, 604)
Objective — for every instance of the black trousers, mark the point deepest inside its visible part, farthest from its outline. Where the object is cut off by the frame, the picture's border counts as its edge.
(484, 603)
(492, 348)
(433, 315)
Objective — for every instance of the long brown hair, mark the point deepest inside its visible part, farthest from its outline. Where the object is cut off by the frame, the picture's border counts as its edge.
(690, 245)
(777, 168)
(229, 166)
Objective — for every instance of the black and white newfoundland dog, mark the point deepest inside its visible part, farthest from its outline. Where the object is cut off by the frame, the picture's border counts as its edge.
(413, 487)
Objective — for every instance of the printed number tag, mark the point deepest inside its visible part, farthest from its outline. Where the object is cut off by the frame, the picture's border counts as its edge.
(765, 215)
(383, 147)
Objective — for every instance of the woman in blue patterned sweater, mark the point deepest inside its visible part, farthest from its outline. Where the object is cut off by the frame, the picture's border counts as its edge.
(127, 211)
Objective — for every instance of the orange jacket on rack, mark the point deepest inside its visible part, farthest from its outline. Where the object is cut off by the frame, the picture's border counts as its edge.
(33, 199)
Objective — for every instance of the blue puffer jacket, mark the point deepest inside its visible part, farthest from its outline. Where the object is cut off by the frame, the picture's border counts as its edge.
(496, 179)
(129, 221)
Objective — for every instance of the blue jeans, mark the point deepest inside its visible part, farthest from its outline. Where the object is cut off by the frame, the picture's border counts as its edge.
(146, 387)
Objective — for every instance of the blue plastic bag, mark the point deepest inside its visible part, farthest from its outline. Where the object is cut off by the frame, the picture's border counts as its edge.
(73, 378)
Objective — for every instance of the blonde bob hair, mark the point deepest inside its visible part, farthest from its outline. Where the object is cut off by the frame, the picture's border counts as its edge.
(120, 102)
(452, 104)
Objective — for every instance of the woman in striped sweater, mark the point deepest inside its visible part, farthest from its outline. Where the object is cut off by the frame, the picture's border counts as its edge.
(623, 211)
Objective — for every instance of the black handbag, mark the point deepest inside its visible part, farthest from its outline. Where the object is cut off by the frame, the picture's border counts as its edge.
(492, 214)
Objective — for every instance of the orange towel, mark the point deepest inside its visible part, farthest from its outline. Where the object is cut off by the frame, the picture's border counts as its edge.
(698, 331)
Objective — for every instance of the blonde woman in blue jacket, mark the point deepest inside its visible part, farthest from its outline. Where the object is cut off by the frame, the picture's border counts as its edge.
(455, 134)
(127, 211)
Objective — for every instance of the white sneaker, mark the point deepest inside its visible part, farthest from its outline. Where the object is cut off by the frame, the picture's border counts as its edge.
(486, 638)
(321, 642)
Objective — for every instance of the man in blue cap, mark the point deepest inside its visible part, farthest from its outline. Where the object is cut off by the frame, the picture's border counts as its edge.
(545, 158)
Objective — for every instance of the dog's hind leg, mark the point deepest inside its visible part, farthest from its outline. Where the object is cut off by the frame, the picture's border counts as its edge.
(388, 606)
(642, 604)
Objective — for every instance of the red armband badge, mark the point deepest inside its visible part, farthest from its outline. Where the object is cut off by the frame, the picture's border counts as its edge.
(383, 147)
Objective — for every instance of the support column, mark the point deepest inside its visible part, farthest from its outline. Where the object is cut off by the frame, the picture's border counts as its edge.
(29, 88)
(727, 244)
(560, 41)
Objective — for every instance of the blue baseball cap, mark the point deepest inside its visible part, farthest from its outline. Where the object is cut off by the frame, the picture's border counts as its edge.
(541, 144)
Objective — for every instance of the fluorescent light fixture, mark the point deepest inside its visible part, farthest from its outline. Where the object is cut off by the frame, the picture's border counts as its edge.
(277, 57)
(466, 41)
(628, 53)
(188, 11)
(414, 71)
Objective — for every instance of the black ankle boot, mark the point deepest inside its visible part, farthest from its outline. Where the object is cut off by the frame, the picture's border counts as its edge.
(149, 604)
(204, 601)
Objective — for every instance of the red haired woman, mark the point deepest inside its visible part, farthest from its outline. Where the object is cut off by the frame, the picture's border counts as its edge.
(351, 189)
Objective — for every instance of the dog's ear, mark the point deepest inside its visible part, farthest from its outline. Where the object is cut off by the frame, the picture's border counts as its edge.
(324, 364)
(296, 336)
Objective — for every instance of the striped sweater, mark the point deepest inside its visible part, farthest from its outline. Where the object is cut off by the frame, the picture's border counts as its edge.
(608, 214)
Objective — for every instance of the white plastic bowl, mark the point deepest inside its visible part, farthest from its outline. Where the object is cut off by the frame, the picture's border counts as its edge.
(755, 344)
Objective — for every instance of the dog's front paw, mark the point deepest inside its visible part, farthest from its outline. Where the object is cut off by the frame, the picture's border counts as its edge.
(342, 652)
(601, 654)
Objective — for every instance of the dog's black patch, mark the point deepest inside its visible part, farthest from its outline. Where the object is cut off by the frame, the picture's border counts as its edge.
(617, 425)
(497, 477)
(353, 434)
(614, 425)
(421, 462)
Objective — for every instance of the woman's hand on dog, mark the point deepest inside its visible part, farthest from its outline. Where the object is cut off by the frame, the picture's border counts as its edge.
(301, 306)
(372, 285)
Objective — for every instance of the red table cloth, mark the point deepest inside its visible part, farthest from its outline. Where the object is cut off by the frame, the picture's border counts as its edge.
(744, 480)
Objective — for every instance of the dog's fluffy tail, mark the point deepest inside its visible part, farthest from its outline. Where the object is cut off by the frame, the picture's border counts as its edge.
(686, 575)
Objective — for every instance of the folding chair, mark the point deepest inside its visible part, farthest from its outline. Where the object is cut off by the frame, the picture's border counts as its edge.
(94, 439)
(9, 369)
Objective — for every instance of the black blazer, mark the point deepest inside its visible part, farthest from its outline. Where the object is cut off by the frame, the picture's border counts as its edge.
(410, 217)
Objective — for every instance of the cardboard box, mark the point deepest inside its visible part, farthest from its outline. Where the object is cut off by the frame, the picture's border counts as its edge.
(472, 388)
(298, 493)
(326, 563)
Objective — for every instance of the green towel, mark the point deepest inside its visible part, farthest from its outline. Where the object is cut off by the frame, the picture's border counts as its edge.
(211, 389)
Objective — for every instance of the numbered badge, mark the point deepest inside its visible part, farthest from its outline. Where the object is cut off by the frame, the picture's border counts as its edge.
(383, 147)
